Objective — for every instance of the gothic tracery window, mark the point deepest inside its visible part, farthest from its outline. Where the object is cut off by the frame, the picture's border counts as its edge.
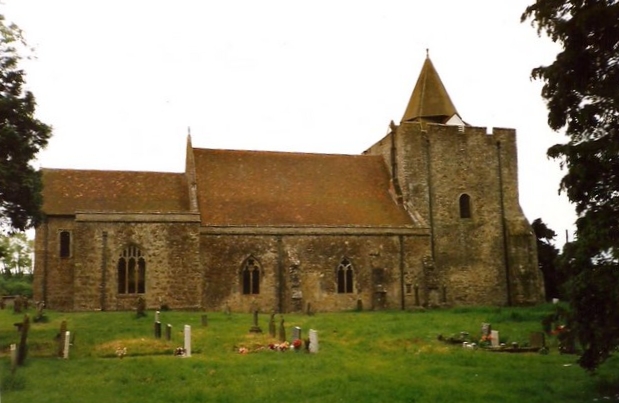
(131, 271)
(250, 276)
(345, 277)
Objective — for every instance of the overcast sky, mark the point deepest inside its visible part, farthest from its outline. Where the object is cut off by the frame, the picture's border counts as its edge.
(121, 81)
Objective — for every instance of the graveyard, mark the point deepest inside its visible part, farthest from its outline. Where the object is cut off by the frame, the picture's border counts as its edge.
(467, 354)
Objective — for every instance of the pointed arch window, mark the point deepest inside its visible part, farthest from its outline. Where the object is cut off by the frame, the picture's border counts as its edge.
(250, 276)
(465, 206)
(131, 271)
(345, 277)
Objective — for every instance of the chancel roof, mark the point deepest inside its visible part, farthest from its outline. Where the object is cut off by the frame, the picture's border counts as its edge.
(429, 101)
(67, 191)
(258, 188)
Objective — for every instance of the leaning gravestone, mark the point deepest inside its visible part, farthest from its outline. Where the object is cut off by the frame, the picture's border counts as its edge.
(313, 337)
(23, 347)
(486, 328)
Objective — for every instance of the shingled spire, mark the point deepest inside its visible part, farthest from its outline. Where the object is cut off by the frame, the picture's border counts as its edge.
(430, 101)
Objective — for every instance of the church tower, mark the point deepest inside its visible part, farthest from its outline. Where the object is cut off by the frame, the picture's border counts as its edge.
(462, 183)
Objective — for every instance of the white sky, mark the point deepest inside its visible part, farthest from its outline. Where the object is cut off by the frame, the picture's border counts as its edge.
(120, 81)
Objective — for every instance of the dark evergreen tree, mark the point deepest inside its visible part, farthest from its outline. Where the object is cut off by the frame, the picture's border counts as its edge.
(22, 136)
(547, 255)
(581, 88)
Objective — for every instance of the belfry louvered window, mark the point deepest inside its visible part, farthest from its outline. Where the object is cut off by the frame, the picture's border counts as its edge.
(131, 271)
(250, 276)
(345, 277)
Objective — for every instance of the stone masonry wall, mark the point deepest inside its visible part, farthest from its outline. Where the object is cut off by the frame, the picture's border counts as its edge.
(172, 266)
(298, 270)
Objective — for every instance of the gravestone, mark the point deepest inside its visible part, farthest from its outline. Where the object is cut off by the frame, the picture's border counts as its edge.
(17, 304)
(272, 325)
(67, 344)
(157, 330)
(140, 307)
(486, 328)
(157, 314)
(255, 328)
(61, 336)
(494, 338)
(168, 332)
(296, 333)
(23, 347)
(13, 357)
(282, 331)
(537, 340)
(204, 320)
(313, 337)
(187, 333)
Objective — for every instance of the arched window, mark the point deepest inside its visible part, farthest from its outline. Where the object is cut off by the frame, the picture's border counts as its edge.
(131, 271)
(465, 206)
(250, 276)
(344, 277)
(65, 244)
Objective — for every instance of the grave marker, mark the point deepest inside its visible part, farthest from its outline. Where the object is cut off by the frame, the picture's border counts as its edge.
(486, 328)
(494, 338)
(313, 337)
(296, 333)
(537, 340)
(168, 332)
(61, 336)
(187, 332)
(67, 343)
(13, 357)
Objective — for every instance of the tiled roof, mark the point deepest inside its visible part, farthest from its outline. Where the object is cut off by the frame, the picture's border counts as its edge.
(278, 188)
(67, 191)
(429, 101)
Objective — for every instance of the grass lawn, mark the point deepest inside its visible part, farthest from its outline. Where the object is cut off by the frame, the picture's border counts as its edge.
(389, 356)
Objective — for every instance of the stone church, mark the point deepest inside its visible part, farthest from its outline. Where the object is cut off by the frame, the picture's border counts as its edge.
(427, 216)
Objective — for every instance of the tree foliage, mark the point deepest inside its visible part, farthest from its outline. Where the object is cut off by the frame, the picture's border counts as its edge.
(547, 255)
(22, 136)
(581, 88)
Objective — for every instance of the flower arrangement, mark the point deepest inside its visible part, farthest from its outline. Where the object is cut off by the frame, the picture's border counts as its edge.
(297, 344)
(121, 352)
(485, 341)
(180, 352)
(279, 347)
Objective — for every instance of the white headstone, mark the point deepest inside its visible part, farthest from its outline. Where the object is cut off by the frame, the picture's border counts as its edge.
(313, 337)
(187, 332)
(494, 338)
(157, 316)
(67, 343)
